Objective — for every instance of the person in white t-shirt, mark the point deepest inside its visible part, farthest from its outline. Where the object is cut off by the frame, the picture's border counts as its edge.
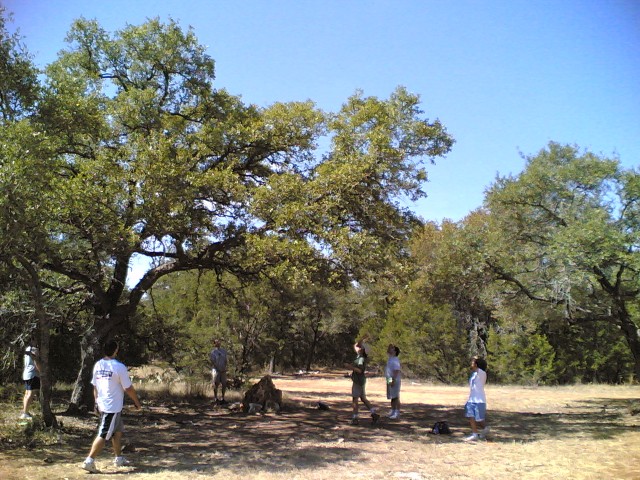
(110, 382)
(393, 375)
(218, 359)
(476, 407)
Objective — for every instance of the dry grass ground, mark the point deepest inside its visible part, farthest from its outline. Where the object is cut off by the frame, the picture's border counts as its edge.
(578, 432)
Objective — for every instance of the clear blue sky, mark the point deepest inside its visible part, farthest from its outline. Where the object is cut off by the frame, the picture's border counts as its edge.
(503, 76)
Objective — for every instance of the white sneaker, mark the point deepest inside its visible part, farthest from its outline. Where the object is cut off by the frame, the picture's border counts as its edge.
(25, 416)
(390, 414)
(395, 415)
(484, 432)
(471, 438)
(89, 466)
(120, 462)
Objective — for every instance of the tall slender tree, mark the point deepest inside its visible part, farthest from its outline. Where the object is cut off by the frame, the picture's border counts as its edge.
(23, 176)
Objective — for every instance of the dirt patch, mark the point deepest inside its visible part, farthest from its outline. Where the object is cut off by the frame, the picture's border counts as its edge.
(565, 432)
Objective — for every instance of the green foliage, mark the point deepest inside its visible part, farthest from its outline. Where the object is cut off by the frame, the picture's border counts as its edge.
(549, 268)
(565, 234)
(441, 318)
(591, 352)
(131, 152)
(126, 150)
(18, 328)
(558, 353)
(18, 75)
(259, 322)
(433, 343)
(521, 357)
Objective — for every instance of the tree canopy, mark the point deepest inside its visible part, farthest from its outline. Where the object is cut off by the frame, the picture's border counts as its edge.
(569, 240)
(283, 230)
(145, 158)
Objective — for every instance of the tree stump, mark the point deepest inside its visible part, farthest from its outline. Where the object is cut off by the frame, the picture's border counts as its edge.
(263, 393)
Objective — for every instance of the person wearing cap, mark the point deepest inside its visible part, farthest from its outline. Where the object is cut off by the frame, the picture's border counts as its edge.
(31, 377)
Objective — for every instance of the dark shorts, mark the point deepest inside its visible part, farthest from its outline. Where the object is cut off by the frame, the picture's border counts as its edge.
(32, 383)
(110, 423)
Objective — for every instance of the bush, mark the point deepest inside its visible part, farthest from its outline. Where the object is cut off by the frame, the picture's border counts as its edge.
(521, 358)
(433, 344)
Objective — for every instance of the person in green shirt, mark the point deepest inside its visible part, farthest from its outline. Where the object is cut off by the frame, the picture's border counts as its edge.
(359, 380)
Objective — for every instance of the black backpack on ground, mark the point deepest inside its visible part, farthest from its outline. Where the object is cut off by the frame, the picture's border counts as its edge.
(440, 428)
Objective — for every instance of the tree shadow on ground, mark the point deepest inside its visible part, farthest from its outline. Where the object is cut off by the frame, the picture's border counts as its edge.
(204, 438)
(201, 438)
(602, 418)
(196, 436)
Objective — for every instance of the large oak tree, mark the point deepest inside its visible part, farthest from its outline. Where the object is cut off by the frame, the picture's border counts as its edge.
(146, 159)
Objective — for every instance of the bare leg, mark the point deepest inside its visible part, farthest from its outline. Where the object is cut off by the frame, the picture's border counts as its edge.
(215, 385)
(116, 441)
(26, 401)
(29, 396)
(475, 425)
(97, 446)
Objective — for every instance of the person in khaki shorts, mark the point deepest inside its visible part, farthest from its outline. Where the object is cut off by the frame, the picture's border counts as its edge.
(358, 388)
(393, 375)
(218, 359)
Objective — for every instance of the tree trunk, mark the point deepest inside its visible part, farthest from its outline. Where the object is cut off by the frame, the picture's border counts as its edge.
(621, 316)
(82, 396)
(631, 333)
(45, 375)
(244, 363)
(314, 344)
(44, 334)
(90, 352)
(272, 364)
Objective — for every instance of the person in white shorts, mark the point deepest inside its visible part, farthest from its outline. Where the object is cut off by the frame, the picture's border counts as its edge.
(110, 382)
(218, 359)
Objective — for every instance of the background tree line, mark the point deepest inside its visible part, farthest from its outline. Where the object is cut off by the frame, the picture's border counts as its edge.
(122, 151)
